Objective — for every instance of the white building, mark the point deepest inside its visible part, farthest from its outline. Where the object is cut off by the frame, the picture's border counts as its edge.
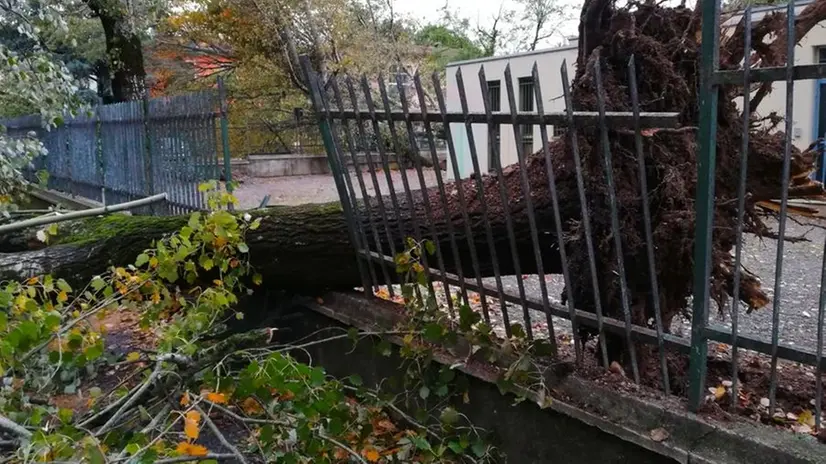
(548, 62)
(809, 113)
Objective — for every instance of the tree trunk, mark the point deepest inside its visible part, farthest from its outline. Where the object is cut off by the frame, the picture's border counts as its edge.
(299, 248)
(124, 49)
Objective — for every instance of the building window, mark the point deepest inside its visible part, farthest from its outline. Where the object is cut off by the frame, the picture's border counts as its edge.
(559, 131)
(526, 97)
(495, 98)
(495, 95)
(821, 55)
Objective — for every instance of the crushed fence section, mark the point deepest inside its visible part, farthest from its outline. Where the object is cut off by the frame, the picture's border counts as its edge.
(126, 151)
(486, 229)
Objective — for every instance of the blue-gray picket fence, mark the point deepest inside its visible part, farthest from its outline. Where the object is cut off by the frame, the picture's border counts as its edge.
(130, 150)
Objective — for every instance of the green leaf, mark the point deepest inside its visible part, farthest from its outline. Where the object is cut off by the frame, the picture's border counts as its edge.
(456, 447)
(51, 321)
(442, 391)
(142, 259)
(63, 286)
(65, 415)
(384, 348)
(433, 332)
(449, 416)
(479, 448)
(95, 392)
(94, 352)
(206, 262)
(257, 279)
(243, 248)
(255, 224)
(355, 380)
(424, 392)
(132, 448)
(430, 247)
(95, 455)
(97, 283)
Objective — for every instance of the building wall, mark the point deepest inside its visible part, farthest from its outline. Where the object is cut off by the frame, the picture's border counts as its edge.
(805, 103)
(549, 63)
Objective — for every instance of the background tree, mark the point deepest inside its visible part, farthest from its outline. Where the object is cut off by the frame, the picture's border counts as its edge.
(31, 79)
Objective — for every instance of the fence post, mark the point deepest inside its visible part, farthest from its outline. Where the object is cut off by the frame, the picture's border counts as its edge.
(101, 159)
(222, 95)
(705, 204)
(147, 153)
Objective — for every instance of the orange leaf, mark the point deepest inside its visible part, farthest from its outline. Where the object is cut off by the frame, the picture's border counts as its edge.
(191, 449)
(385, 426)
(33, 280)
(185, 399)
(191, 425)
(62, 296)
(218, 398)
(371, 454)
(251, 407)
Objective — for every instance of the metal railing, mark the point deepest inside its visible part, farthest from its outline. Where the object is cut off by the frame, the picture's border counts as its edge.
(457, 217)
(702, 332)
(125, 151)
(485, 242)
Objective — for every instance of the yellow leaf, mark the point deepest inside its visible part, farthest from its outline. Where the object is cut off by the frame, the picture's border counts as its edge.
(133, 356)
(806, 418)
(371, 455)
(153, 262)
(193, 418)
(719, 392)
(156, 297)
(218, 398)
(62, 296)
(218, 282)
(185, 399)
(191, 449)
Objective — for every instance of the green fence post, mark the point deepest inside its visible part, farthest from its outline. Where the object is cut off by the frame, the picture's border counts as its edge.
(706, 159)
(222, 95)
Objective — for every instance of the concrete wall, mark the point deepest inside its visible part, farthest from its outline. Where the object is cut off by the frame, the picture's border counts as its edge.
(549, 62)
(285, 165)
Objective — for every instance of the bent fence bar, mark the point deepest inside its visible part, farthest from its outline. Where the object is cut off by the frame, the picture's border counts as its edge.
(126, 151)
(380, 221)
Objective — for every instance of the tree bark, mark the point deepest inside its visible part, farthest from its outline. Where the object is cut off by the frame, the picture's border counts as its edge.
(124, 49)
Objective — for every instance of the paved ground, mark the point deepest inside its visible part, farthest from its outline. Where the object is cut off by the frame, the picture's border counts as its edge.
(801, 270)
(296, 190)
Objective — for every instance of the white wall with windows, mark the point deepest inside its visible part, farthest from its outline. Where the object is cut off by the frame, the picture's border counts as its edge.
(549, 62)
(808, 116)
(809, 102)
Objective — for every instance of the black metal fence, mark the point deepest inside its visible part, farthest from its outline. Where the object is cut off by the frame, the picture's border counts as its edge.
(125, 151)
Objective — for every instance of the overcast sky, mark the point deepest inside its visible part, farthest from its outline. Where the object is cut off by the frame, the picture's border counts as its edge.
(481, 11)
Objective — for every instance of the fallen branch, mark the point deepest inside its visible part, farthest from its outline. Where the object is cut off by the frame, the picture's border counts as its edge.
(13, 427)
(341, 445)
(221, 436)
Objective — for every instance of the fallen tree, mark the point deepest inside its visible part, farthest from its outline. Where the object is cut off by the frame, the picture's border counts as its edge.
(307, 248)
